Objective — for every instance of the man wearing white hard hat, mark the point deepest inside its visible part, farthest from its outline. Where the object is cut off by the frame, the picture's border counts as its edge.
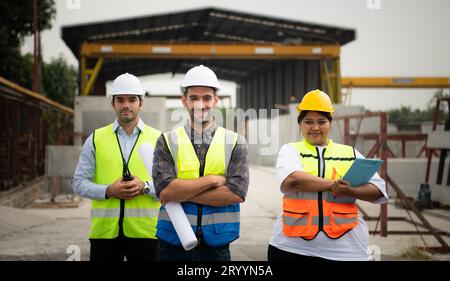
(111, 173)
(205, 168)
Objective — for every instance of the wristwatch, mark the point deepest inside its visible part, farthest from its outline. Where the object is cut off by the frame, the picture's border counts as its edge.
(147, 188)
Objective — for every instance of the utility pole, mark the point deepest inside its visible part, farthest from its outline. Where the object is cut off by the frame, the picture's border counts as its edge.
(37, 49)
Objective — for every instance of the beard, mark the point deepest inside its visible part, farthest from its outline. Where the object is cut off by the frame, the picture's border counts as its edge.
(127, 118)
(204, 119)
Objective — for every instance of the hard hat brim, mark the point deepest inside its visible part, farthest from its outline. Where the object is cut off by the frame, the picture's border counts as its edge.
(126, 94)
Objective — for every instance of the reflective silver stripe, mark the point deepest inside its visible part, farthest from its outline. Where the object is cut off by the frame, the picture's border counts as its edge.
(295, 221)
(220, 218)
(164, 216)
(302, 195)
(230, 141)
(344, 220)
(172, 138)
(128, 213)
(206, 219)
(140, 213)
(105, 213)
(315, 220)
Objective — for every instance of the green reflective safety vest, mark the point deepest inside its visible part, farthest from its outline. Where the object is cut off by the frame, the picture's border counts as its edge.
(140, 214)
(216, 160)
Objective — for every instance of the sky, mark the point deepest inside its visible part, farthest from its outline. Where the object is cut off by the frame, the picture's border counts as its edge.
(393, 38)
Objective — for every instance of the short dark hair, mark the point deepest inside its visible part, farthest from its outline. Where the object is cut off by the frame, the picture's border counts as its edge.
(303, 113)
(139, 96)
(185, 90)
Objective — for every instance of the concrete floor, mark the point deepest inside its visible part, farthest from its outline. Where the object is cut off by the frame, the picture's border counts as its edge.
(47, 234)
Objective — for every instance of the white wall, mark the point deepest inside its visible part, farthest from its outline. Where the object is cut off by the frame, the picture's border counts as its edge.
(92, 112)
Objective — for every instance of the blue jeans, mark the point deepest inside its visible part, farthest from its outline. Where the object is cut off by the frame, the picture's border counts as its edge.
(203, 252)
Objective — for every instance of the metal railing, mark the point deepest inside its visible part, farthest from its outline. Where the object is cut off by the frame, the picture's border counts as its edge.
(29, 122)
(382, 150)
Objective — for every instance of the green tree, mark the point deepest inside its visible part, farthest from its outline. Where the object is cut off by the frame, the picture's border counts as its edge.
(16, 22)
(18, 68)
(59, 81)
(406, 115)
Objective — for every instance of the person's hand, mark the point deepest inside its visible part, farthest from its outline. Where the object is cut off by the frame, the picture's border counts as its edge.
(125, 189)
(138, 183)
(217, 180)
(342, 188)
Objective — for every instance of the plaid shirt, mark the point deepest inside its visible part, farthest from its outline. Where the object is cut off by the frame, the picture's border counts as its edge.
(237, 175)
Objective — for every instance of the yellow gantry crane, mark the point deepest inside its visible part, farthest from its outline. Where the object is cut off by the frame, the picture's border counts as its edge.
(328, 54)
(393, 82)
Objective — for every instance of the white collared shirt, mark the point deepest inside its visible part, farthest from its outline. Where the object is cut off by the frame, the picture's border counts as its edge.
(351, 246)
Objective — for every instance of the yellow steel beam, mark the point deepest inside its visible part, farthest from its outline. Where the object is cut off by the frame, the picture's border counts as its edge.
(83, 75)
(93, 73)
(219, 51)
(330, 74)
(35, 95)
(337, 69)
(396, 82)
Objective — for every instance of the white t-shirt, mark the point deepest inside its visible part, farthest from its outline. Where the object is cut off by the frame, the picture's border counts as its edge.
(351, 246)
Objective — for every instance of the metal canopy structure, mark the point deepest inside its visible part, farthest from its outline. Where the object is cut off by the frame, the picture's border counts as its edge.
(272, 60)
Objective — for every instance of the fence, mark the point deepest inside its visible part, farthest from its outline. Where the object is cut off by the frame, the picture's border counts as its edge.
(28, 122)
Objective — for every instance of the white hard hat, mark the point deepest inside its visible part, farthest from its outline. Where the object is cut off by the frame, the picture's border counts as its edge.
(200, 76)
(126, 84)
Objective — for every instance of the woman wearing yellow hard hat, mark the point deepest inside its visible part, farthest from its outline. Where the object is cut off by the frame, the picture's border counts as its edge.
(313, 224)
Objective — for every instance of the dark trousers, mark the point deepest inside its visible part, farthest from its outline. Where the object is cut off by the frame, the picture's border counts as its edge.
(202, 252)
(133, 249)
(275, 254)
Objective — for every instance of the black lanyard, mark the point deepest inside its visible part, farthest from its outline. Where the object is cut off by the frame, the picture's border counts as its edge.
(126, 174)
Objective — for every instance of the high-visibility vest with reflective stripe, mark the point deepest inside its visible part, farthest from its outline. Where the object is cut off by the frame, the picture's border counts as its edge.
(307, 213)
(219, 225)
(141, 212)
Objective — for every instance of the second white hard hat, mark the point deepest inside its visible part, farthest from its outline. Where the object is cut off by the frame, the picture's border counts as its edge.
(200, 76)
(127, 84)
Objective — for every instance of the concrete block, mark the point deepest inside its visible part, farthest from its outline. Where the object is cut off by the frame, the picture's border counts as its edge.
(408, 173)
(61, 161)
(439, 140)
(22, 196)
(92, 112)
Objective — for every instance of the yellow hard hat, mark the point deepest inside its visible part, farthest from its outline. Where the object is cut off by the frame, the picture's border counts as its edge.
(316, 100)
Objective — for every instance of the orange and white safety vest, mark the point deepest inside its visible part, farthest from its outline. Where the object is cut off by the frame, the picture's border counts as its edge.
(307, 213)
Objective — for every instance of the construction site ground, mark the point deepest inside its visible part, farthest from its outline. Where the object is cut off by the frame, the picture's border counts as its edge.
(46, 231)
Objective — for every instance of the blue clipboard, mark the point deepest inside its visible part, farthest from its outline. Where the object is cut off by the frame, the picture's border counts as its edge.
(360, 172)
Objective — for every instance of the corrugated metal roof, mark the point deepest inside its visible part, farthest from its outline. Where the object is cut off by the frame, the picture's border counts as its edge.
(195, 26)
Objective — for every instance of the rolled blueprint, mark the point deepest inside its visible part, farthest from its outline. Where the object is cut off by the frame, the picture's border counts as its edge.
(174, 209)
(146, 152)
(181, 225)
